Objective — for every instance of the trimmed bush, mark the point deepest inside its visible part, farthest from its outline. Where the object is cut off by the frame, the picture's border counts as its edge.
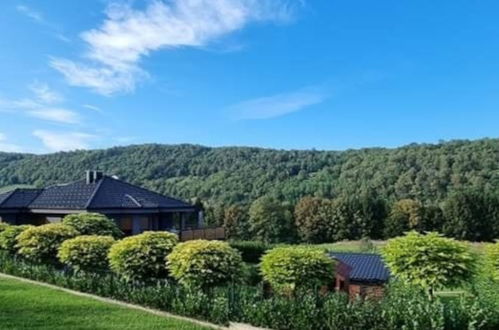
(290, 268)
(93, 224)
(8, 238)
(202, 263)
(492, 260)
(86, 253)
(142, 257)
(430, 260)
(3, 226)
(251, 251)
(40, 244)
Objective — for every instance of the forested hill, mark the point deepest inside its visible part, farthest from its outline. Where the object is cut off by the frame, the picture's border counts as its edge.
(242, 174)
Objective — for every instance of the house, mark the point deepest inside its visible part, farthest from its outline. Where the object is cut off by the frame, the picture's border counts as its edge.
(360, 274)
(134, 209)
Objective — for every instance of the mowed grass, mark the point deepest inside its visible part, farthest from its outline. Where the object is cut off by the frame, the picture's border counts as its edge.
(30, 306)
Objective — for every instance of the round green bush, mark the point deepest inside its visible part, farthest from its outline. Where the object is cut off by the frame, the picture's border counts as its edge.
(8, 238)
(430, 260)
(142, 257)
(40, 244)
(202, 263)
(290, 268)
(86, 253)
(93, 224)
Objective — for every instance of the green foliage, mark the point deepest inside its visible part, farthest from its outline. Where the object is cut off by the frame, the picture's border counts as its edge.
(271, 221)
(251, 251)
(312, 219)
(429, 260)
(142, 257)
(491, 260)
(92, 224)
(236, 222)
(402, 308)
(471, 215)
(86, 253)
(405, 215)
(201, 263)
(3, 226)
(40, 244)
(291, 268)
(8, 238)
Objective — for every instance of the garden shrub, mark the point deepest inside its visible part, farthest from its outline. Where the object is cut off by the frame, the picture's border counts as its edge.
(251, 251)
(8, 238)
(289, 268)
(142, 257)
(93, 224)
(40, 244)
(429, 260)
(3, 226)
(86, 253)
(492, 260)
(201, 263)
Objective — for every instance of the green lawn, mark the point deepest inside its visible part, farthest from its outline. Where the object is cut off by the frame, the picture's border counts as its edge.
(30, 306)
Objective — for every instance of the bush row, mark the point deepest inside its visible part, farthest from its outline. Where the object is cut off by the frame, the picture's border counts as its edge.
(301, 311)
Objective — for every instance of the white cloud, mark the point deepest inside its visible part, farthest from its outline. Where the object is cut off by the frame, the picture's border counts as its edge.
(55, 114)
(92, 107)
(29, 12)
(42, 106)
(64, 141)
(5, 146)
(278, 105)
(127, 35)
(45, 94)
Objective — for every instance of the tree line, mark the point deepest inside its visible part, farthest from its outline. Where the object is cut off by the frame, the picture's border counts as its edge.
(464, 215)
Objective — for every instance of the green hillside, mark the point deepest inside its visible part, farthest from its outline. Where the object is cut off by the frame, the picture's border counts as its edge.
(242, 174)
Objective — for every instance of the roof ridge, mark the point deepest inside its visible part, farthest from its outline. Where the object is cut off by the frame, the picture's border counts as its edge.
(97, 187)
(147, 190)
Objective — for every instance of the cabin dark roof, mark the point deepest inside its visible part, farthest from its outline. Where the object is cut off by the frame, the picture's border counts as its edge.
(18, 198)
(366, 267)
(104, 193)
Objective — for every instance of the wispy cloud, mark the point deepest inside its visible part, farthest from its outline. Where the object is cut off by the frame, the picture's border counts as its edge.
(30, 13)
(6, 146)
(278, 105)
(116, 48)
(45, 94)
(92, 107)
(41, 105)
(64, 141)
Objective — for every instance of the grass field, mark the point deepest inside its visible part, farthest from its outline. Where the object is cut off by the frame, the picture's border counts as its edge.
(29, 306)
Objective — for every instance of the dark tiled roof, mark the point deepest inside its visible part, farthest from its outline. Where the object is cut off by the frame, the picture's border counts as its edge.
(365, 267)
(19, 198)
(106, 193)
(70, 196)
(113, 193)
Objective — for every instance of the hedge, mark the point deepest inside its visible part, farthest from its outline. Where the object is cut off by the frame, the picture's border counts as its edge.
(40, 244)
(289, 268)
(202, 263)
(142, 257)
(251, 251)
(8, 237)
(93, 224)
(86, 253)
(303, 311)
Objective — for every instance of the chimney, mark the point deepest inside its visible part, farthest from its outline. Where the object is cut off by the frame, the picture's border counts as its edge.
(89, 175)
(93, 176)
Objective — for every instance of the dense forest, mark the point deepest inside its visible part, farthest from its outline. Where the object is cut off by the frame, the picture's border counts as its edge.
(219, 178)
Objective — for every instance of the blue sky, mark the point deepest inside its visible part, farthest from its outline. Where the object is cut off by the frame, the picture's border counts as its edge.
(324, 74)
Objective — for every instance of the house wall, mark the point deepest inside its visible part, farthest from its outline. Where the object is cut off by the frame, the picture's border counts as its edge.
(370, 291)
